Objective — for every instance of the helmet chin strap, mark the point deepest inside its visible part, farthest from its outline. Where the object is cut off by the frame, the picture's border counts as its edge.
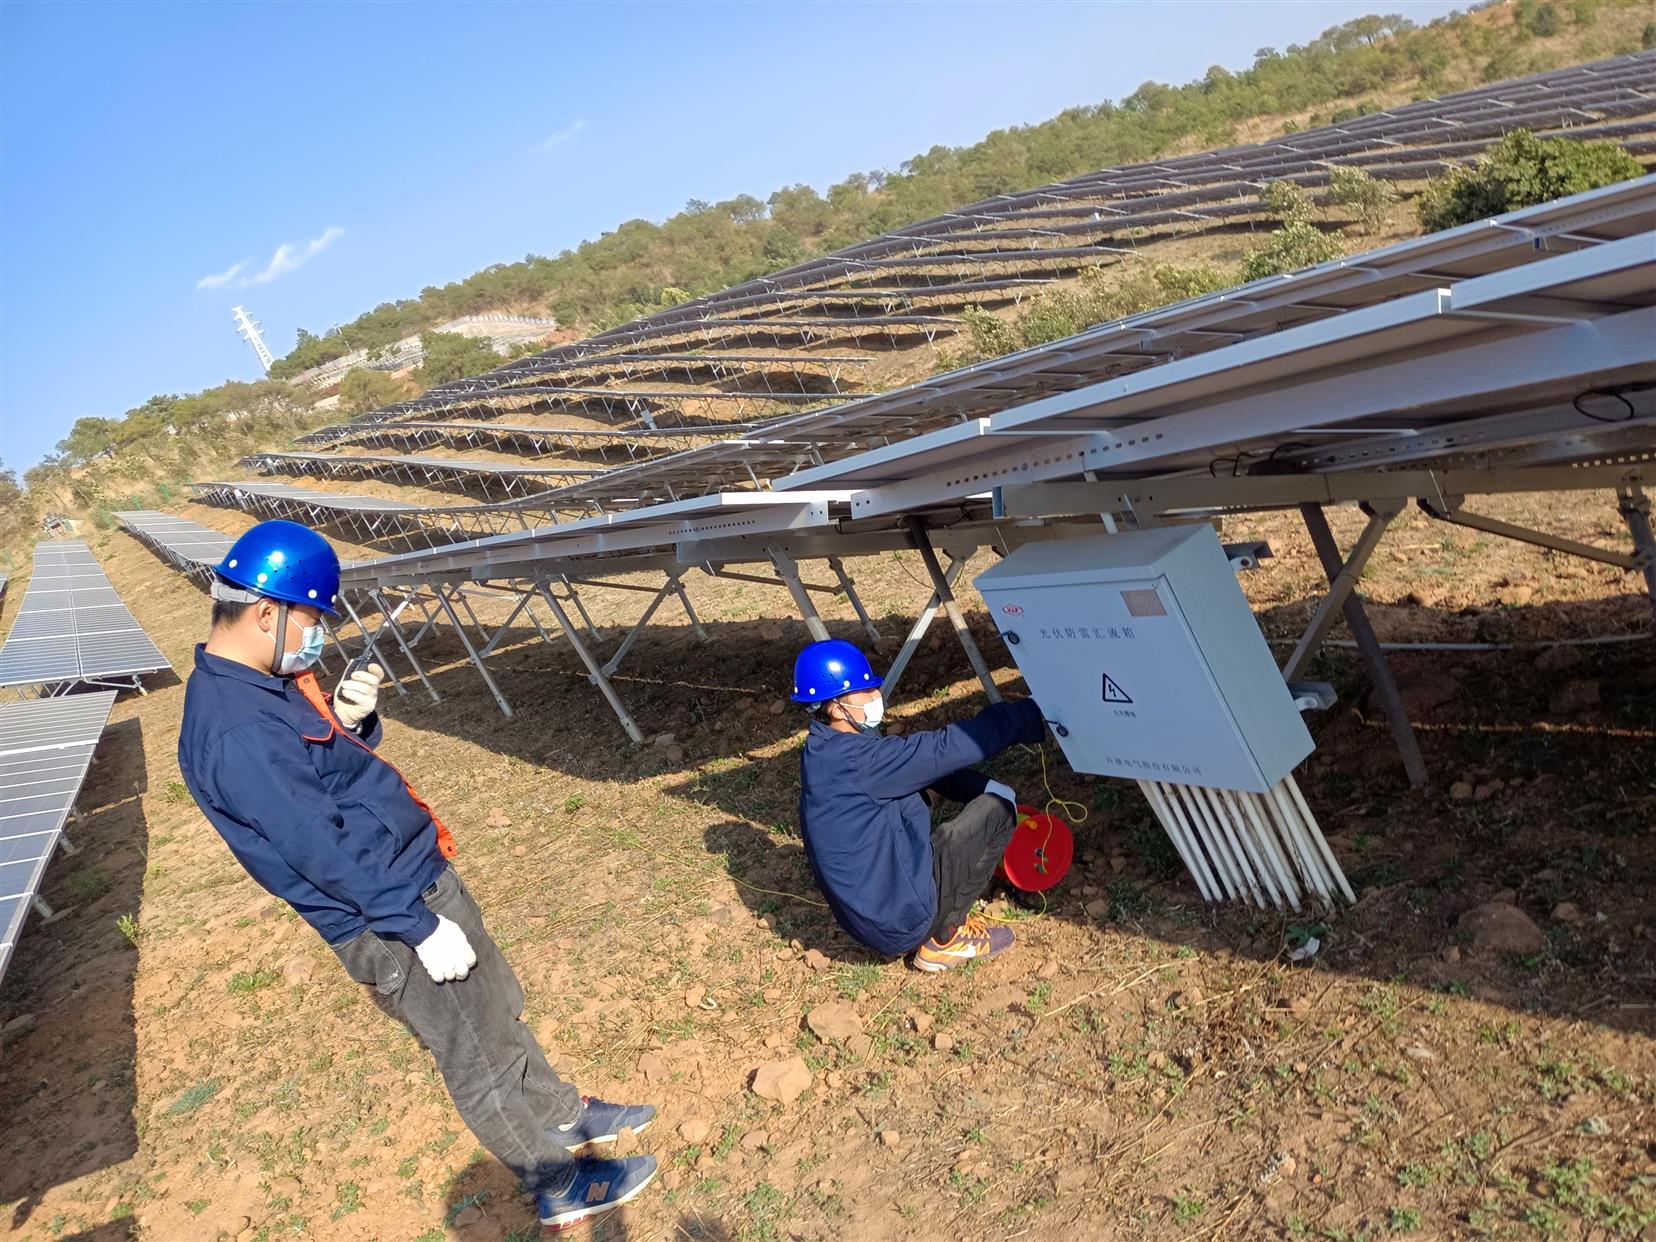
(281, 637)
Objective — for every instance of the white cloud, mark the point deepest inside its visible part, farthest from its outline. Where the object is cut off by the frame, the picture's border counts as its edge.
(290, 256)
(557, 137)
(219, 279)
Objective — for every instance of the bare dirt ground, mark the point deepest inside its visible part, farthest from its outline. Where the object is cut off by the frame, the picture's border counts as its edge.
(1142, 1065)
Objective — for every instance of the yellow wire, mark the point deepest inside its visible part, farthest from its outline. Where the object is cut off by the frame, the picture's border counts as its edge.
(1078, 814)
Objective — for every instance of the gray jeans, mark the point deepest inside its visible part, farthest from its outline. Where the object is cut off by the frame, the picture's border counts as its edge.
(497, 1075)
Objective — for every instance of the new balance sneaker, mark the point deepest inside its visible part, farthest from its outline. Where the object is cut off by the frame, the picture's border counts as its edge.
(973, 939)
(601, 1122)
(598, 1187)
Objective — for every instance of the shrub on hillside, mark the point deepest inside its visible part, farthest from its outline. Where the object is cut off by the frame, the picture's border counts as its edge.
(362, 390)
(1519, 171)
(1367, 197)
(1286, 201)
(1290, 248)
(451, 356)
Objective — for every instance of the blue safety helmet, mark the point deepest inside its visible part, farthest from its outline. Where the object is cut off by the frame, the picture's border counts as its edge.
(830, 668)
(283, 561)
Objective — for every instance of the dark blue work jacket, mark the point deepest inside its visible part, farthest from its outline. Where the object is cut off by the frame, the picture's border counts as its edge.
(867, 826)
(316, 819)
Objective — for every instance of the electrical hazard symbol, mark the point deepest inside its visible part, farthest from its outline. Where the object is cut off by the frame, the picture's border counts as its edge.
(1114, 693)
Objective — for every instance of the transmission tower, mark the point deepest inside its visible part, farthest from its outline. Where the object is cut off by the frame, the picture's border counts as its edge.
(248, 327)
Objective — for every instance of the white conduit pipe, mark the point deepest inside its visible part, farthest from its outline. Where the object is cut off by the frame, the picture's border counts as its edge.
(1310, 860)
(1217, 848)
(1316, 835)
(1240, 807)
(1261, 807)
(1238, 832)
(1193, 860)
(1239, 863)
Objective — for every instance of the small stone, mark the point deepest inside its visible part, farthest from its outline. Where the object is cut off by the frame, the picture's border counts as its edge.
(653, 1068)
(674, 753)
(705, 1163)
(298, 970)
(835, 1080)
(1156, 1059)
(1566, 912)
(468, 1215)
(890, 1138)
(1461, 791)
(694, 1131)
(1048, 970)
(753, 1140)
(672, 1179)
(774, 1042)
(860, 1046)
(1506, 896)
(922, 1022)
(626, 1142)
(1501, 928)
(1118, 863)
(1097, 907)
(1288, 1167)
(1419, 1052)
(662, 741)
(498, 818)
(778, 707)
(773, 995)
(943, 1041)
(1574, 697)
(1452, 953)
(816, 960)
(782, 1081)
(520, 851)
(693, 997)
(834, 1021)
(566, 944)
(1301, 1067)
(1558, 658)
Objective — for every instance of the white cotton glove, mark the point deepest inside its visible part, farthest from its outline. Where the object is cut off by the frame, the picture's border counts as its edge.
(358, 695)
(1002, 791)
(446, 953)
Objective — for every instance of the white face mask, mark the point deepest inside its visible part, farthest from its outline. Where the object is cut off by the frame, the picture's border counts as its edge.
(873, 712)
(309, 652)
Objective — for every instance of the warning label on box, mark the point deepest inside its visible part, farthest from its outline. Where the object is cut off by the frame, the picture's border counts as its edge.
(1114, 693)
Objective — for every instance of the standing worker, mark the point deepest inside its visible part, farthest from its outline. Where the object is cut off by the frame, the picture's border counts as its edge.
(292, 783)
(865, 802)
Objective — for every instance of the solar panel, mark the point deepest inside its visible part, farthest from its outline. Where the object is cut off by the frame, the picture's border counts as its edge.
(72, 626)
(45, 749)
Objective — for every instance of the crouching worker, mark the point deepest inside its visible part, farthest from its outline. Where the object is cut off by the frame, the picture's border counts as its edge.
(895, 883)
(290, 779)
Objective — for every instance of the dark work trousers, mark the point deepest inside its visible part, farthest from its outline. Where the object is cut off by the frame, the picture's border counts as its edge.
(496, 1073)
(965, 852)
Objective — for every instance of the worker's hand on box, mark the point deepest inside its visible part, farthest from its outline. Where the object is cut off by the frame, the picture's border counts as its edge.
(358, 695)
(1003, 792)
(446, 953)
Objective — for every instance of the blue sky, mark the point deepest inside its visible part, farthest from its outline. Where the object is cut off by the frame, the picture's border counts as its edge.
(160, 164)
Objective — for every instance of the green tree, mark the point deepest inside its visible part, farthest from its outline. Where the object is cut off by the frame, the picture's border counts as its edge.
(1647, 40)
(450, 356)
(1368, 198)
(1287, 201)
(1519, 171)
(1290, 248)
(1546, 22)
(362, 390)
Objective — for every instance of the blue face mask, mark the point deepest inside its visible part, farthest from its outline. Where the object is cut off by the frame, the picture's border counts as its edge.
(310, 651)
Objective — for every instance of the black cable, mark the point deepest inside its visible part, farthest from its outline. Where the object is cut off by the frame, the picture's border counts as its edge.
(1613, 393)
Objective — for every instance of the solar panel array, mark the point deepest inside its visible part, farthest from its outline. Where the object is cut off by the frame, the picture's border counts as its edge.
(72, 626)
(804, 407)
(45, 749)
(188, 545)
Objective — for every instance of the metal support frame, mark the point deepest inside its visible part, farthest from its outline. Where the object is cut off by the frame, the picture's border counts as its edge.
(1374, 660)
(614, 662)
(390, 616)
(1447, 509)
(945, 593)
(788, 572)
(917, 631)
(587, 658)
(1634, 506)
(1340, 589)
(471, 652)
(849, 586)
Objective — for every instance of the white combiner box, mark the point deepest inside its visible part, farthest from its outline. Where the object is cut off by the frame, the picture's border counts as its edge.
(1145, 657)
